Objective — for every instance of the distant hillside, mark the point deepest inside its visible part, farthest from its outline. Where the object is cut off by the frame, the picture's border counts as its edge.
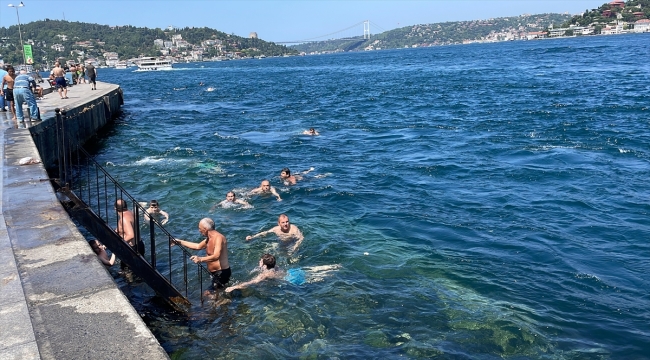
(54, 39)
(499, 29)
(625, 11)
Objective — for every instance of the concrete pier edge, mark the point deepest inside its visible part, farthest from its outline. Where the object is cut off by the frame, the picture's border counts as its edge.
(57, 300)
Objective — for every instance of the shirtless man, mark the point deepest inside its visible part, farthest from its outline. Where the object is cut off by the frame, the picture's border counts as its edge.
(59, 80)
(231, 200)
(100, 251)
(125, 222)
(289, 179)
(154, 209)
(285, 230)
(265, 188)
(216, 248)
(311, 132)
(295, 276)
(9, 94)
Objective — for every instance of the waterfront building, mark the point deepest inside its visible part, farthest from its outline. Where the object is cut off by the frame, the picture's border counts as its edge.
(642, 25)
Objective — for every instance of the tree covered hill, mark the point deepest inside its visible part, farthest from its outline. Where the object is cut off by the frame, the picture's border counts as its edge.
(455, 32)
(629, 11)
(128, 41)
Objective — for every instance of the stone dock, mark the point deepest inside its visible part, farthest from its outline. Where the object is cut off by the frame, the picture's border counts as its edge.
(57, 300)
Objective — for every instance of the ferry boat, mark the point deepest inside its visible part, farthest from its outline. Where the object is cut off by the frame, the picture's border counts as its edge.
(153, 64)
(121, 65)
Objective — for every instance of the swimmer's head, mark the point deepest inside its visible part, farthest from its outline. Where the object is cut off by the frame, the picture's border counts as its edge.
(283, 222)
(285, 173)
(268, 260)
(230, 196)
(96, 246)
(312, 131)
(154, 204)
(206, 224)
(266, 185)
(120, 205)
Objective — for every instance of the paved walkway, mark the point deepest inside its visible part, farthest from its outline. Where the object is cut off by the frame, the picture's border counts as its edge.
(57, 301)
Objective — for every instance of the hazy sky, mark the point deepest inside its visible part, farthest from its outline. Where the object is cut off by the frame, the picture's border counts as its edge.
(281, 20)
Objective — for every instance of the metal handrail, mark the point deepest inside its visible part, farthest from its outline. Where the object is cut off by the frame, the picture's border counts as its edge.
(93, 191)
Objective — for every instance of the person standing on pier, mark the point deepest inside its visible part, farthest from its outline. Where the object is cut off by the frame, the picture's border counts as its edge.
(92, 76)
(216, 248)
(59, 80)
(3, 72)
(23, 94)
(8, 92)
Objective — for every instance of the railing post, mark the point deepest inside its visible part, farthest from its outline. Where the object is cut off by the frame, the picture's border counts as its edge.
(152, 240)
(59, 146)
(64, 147)
(136, 227)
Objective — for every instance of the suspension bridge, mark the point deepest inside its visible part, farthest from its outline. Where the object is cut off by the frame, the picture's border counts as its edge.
(343, 34)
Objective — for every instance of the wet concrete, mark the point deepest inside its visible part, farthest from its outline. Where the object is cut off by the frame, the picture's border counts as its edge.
(57, 300)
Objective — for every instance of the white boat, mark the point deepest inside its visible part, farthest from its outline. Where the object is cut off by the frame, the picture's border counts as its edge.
(153, 64)
(121, 65)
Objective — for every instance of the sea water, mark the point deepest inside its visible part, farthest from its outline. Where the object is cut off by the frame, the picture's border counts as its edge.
(484, 201)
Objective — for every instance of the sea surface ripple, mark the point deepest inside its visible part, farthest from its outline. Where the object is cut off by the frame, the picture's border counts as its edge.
(500, 192)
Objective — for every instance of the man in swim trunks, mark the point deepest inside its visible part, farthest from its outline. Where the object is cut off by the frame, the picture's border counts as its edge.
(8, 93)
(59, 80)
(285, 230)
(265, 188)
(216, 248)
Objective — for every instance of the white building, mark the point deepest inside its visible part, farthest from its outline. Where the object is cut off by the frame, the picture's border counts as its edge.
(642, 25)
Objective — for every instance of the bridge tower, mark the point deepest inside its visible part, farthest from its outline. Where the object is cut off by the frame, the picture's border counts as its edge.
(366, 29)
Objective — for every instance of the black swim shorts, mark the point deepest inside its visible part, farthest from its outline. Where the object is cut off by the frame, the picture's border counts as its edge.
(220, 278)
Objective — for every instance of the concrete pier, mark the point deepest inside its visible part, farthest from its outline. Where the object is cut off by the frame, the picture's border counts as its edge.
(57, 300)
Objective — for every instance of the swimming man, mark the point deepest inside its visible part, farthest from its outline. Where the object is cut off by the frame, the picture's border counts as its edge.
(294, 276)
(154, 209)
(265, 188)
(285, 230)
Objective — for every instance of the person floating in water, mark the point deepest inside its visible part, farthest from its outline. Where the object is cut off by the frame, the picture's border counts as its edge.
(231, 200)
(155, 210)
(311, 132)
(268, 271)
(288, 179)
(265, 188)
(285, 230)
(100, 250)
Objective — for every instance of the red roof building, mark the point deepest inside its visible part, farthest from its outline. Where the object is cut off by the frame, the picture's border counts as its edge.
(618, 3)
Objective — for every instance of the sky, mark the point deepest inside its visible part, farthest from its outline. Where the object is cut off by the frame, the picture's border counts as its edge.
(281, 21)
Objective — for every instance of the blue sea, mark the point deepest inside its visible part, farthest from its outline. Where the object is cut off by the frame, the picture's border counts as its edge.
(483, 201)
